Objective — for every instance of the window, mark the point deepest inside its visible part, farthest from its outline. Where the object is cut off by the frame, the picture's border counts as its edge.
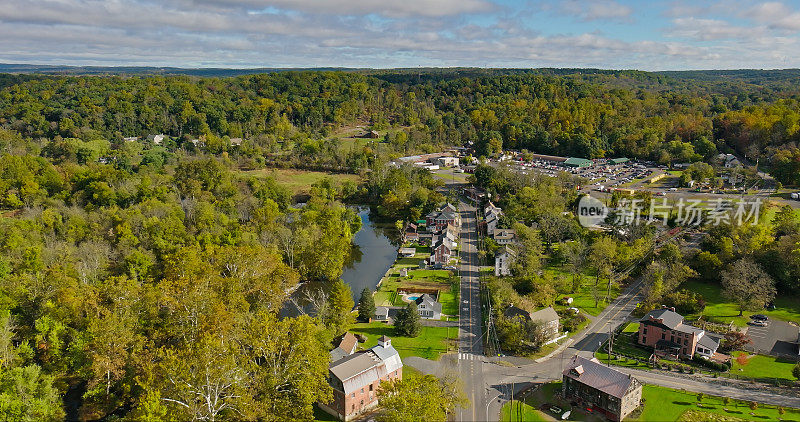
(645, 331)
(663, 336)
(362, 391)
(353, 395)
(370, 387)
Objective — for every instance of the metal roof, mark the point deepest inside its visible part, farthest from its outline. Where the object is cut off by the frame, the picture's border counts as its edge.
(596, 375)
(547, 314)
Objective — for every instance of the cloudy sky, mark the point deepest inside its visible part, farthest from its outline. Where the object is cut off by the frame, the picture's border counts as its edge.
(616, 34)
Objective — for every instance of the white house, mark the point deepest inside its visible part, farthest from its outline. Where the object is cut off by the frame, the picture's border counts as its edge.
(445, 161)
(503, 260)
(428, 307)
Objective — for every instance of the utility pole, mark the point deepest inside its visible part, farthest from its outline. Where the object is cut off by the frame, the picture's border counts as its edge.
(610, 344)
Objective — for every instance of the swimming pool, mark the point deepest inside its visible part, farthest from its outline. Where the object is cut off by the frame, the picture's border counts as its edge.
(412, 298)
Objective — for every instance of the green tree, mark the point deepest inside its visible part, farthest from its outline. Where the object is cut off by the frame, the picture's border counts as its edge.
(407, 321)
(26, 394)
(423, 399)
(748, 285)
(337, 314)
(796, 370)
(366, 305)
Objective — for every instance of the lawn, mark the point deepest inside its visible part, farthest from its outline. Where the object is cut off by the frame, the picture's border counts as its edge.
(665, 404)
(719, 310)
(299, 181)
(583, 298)
(430, 344)
(660, 404)
(760, 366)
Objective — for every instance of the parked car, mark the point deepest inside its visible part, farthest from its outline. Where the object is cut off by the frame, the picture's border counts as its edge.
(759, 317)
(760, 322)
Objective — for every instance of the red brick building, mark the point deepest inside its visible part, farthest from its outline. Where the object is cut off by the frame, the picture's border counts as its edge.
(664, 330)
(356, 377)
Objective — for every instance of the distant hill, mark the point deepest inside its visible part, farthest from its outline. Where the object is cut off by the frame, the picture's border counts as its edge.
(141, 70)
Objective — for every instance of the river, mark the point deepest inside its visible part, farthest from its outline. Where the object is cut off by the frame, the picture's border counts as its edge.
(373, 253)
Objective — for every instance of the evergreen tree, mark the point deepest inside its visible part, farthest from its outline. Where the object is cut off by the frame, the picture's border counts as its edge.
(337, 314)
(366, 305)
(407, 321)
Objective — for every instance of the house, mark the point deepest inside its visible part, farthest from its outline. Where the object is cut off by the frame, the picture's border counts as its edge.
(664, 330)
(410, 233)
(355, 379)
(503, 260)
(236, 142)
(381, 313)
(475, 194)
(130, 139)
(491, 215)
(505, 236)
(441, 252)
(407, 252)
(601, 388)
(345, 346)
(549, 321)
(445, 161)
(428, 307)
(440, 218)
(156, 139)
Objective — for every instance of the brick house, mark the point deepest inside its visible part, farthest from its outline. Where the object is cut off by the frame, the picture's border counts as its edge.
(356, 377)
(601, 388)
(440, 218)
(441, 252)
(664, 330)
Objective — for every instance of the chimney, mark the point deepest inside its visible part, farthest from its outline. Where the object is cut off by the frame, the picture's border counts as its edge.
(672, 309)
(384, 342)
(663, 306)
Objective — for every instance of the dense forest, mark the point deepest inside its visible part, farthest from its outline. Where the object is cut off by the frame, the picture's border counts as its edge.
(141, 279)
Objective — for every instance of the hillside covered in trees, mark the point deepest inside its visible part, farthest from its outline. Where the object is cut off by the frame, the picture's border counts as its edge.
(141, 279)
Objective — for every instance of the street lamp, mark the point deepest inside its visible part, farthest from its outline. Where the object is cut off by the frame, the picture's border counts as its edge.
(490, 402)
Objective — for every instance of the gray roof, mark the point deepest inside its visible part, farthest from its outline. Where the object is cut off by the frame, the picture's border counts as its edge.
(596, 375)
(507, 250)
(429, 302)
(389, 356)
(354, 365)
(513, 311)
(382, 310)
(670, 319)
(709, 342)
(337, 354)
(546, 315)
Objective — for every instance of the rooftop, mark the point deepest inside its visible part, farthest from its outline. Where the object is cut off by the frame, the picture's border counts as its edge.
(594, 374)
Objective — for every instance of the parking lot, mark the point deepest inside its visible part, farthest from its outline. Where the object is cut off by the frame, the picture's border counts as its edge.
(776, 339)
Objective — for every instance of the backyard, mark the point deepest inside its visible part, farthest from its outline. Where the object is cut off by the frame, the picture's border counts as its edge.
(431, 343)
(416, 278)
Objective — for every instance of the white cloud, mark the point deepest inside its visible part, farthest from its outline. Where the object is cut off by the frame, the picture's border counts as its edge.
(776, 15)
(709, 29)
(591, 10)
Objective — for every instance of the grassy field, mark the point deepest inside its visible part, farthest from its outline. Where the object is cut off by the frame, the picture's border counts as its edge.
(430, 344)
(719, 310)
(299, 181)
(583, 298)
(660, 404)
(760, 366)
(665, 404)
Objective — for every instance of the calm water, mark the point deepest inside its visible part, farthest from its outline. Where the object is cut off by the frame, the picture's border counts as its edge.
(372, 255)
(374, 251)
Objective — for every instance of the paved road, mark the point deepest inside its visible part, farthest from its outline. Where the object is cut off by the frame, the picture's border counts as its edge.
(470, 342)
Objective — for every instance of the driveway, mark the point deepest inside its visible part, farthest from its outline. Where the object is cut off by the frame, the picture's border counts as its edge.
(776, 339)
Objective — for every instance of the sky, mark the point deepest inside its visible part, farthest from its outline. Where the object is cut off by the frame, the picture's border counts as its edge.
(609, 34)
